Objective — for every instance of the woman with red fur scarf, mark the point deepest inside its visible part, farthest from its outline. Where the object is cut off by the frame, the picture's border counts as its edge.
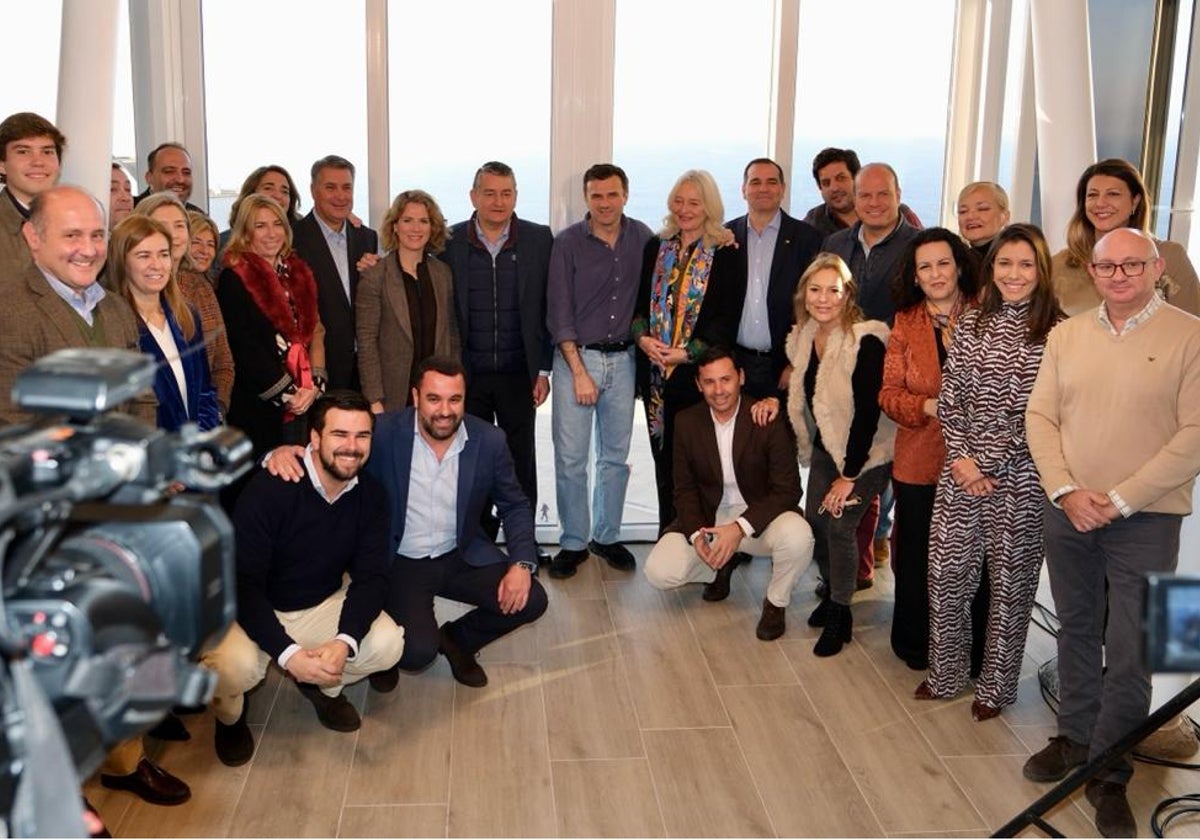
(269, 299)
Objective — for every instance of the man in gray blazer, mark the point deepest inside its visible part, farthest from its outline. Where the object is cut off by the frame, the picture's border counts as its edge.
(57, 303)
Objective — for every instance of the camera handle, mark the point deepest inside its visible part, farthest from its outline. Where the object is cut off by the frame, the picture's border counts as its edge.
(1081, 775)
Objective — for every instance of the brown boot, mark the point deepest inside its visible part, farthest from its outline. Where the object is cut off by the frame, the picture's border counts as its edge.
(771, 625)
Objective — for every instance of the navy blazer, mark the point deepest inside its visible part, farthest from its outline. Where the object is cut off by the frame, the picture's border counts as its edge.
(533, 246)
(202, 408)
(798, 242)
(485, 476)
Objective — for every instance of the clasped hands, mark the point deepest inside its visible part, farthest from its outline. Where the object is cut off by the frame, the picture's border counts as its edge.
(1088, 510)
(717, 544)
(660, 353)
(321, 665)
(970, 479)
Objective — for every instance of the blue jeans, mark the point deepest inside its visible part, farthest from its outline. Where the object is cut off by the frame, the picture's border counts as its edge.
(571, 426)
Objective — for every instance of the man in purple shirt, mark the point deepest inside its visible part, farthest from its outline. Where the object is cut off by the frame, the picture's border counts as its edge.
(594, 270)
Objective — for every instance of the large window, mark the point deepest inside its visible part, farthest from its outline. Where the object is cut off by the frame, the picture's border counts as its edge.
(29, 60)
(874, 76)
(691, 90)
(469, 82)
(284, 83)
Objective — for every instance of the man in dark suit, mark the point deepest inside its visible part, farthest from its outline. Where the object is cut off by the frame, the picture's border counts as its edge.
(500, 264)
(737, 489)
(440, 469)
(775, 250)
(333, 247)
(169, 169)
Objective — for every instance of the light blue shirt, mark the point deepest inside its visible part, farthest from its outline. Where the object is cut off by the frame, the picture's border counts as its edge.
(431, 521)
(754, 331)
(493, 248)
(82, 302)
(338, 249)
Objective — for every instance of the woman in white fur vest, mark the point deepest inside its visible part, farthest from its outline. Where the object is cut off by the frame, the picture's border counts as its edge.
(841, 435)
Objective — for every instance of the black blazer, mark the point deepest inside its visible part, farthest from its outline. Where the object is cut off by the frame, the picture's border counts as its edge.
(337, 313)
(533, 243)
(797, 244)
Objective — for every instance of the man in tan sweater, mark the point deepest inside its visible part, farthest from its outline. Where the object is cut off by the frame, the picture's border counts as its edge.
(1114, 428)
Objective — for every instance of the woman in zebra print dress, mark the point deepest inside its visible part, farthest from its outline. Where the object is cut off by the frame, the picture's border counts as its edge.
(988, 504)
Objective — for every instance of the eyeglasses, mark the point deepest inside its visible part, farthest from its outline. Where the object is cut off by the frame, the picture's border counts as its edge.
(1131, 268)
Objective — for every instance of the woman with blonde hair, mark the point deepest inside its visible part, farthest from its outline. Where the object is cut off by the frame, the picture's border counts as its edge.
(841, 435)
(1110, 195)
(166, 208)
(269, 299)
(683, 308)
(404, 310)
(202, 249)
(982, 213)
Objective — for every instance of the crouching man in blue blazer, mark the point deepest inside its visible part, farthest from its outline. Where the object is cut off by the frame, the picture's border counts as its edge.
(441, 468)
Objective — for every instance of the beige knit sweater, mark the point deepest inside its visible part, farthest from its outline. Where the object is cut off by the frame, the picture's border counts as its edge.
(1120, 412)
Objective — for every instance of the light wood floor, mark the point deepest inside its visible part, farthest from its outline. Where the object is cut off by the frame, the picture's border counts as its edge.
(630, 712)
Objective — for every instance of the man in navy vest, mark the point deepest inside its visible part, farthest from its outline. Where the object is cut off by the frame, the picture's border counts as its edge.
(500, 264)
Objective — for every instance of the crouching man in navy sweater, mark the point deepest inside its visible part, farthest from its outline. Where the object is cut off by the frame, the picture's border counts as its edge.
(296, 541)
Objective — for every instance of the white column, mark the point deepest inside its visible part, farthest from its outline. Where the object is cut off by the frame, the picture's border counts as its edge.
(86, 80)
(1188, 157)
(581, 120)
(166, 39)
(1066, 121)
(378, 122)
(962, 117)
(786, 46)
(1020, 184)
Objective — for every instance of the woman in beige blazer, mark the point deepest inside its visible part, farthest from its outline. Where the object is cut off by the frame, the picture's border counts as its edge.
(405, 305)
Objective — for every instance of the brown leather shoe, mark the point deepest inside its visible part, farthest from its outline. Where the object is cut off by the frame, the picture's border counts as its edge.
(385, 681)
(771, 624)
(924, 692)
(464, 666)
(983, 711)
(1113, 815)
(718, 589)
(151, 783)
(1055, 760)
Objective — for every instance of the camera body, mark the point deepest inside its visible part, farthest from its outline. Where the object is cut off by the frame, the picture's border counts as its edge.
(116, 570)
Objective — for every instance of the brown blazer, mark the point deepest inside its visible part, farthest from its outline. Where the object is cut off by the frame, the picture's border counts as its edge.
(764, 462)
(14, 253)
(911, 375)
(35, 321)
(384, 329)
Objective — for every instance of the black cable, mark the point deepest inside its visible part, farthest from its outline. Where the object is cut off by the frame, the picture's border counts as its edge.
(1159, 827)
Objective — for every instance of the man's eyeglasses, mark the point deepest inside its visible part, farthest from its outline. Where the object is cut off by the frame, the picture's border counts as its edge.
(1130, 268)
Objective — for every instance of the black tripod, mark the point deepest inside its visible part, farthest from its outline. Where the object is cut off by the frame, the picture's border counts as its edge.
(1033, 814)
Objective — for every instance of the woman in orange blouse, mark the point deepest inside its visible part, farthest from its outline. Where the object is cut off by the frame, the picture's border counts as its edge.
(938, 280)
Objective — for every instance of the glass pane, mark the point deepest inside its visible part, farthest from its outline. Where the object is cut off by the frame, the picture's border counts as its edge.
(284, 83)
(469, 82)
(874, 76)
(714, 116)
(29, 60)
(124, 147)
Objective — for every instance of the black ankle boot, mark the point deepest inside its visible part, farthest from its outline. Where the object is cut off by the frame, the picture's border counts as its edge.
(820, 615)
(838, 624)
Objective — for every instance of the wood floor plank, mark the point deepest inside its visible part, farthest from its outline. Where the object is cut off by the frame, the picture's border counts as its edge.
(725, 631)
(704, 786)
(589, 711)
(907, 786)
(393, 821)
(587, 582)
(950, 730)
(606, 798)
(296, 753)
(796, 765)
(403, 754)
(499, 759)
(847, 692)
(996, 788)
(668, 677)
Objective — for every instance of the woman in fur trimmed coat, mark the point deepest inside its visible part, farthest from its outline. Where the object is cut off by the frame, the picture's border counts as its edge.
(841, 435)
(269, 300)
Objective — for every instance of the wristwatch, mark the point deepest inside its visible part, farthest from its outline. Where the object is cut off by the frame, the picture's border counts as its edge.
(528, 566)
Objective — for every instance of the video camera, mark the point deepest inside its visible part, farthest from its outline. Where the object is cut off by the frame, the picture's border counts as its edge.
(115, 571)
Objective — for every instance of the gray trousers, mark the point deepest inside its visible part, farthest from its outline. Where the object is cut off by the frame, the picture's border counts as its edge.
(1098, 706)
(836, 543)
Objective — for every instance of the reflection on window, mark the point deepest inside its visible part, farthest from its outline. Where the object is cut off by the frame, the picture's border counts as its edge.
(871, 89)
(469, 82)
(691, 90)
(283, 84)
(29, 60)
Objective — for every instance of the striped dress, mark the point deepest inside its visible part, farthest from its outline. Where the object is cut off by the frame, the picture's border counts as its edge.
(985, 386)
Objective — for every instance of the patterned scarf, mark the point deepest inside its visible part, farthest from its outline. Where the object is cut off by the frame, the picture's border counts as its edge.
(677, 291)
